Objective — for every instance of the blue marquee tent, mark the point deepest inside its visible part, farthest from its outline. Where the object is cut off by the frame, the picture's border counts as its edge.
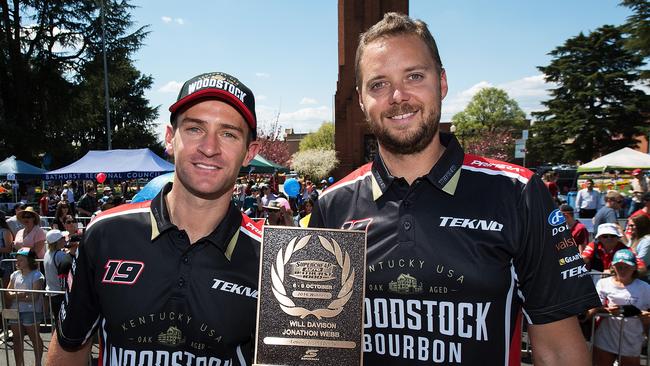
(117, 164)
(20, 169)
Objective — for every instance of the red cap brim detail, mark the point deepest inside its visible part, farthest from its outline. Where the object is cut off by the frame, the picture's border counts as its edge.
(220, 95)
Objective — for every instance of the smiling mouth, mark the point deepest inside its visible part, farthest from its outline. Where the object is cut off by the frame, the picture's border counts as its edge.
(206, 167)
(403, 116)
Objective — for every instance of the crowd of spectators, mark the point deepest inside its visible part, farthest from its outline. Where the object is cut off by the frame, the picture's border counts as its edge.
(261, 199)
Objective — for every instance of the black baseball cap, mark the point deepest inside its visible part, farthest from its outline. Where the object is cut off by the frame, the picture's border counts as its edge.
(221, 86)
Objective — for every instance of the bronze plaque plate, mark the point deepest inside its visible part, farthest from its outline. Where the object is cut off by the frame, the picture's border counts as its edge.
(310, 304)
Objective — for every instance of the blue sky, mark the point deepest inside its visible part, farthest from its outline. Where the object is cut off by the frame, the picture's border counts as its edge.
(286, 51)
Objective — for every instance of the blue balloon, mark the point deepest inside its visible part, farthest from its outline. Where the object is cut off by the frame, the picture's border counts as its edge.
(151, 189)
(330, 179)
(291, 187)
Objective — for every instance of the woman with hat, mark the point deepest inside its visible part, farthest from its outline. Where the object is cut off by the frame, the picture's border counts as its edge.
(31, 236)
(625, 295)
(599, 253)
(29, 305)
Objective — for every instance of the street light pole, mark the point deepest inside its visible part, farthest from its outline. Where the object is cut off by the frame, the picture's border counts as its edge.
(106, 97)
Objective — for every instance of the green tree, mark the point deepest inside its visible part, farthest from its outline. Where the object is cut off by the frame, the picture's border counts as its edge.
(638, 29)
(316, 163)
(51, 79)
(595, 108)
(323, 138)
(490, 109)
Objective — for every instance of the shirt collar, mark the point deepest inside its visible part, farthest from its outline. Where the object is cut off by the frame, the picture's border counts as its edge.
(222, 236)
(444, 174)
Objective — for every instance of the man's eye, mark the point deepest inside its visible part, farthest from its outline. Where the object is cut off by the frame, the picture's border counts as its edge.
(416, 77)
(229, 135)
(377, 85)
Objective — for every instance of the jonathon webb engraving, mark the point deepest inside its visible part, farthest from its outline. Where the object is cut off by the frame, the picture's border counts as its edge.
(311, 297)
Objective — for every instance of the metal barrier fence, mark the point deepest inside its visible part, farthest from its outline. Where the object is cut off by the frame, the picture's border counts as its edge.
(17, 324)
(82, 222)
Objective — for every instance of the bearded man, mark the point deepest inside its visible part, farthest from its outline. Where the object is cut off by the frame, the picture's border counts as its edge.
(458, 245)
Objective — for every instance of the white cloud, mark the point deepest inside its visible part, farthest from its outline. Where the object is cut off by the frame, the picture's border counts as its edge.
(307, 114)
(306, 100)
(179, 21)
(529, 92)
(302, 120)
(264, 75)
(171, 87)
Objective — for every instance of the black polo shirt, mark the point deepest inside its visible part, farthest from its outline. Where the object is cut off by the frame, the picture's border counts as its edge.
(156, 299)
(453, 257)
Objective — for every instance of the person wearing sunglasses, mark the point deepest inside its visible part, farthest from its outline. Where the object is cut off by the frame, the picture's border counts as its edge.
(598, 254)
(609, 212)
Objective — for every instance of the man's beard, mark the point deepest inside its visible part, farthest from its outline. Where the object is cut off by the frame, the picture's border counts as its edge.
(407, 142)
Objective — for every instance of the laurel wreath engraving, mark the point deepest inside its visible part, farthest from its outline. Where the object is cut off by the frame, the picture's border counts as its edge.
(277, 279)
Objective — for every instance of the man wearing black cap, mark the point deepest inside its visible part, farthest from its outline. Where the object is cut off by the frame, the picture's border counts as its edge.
(174, 280)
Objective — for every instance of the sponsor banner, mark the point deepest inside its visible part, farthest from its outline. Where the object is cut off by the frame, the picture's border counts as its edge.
(91, 176)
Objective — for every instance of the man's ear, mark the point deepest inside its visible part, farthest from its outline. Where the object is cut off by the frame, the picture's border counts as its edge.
(363, 109)
(169, 140)
(252, 150)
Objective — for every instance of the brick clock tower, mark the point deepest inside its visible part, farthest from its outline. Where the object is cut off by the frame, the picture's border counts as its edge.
(354, 144)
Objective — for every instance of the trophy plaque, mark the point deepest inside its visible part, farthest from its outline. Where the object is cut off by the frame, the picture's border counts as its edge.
(310, 304)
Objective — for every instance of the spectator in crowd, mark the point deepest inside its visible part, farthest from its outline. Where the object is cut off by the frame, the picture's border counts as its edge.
(13, 222)
(279, 213)
(74, 234)
(599, 253)
(107, 193)
(251, 202)
(645, 210)
(550, 178)
(588, 201)
(578, 230)
(609, 212)
(305, 213)
(68, 195)
(56, 263)
(52, 202)
(29, 304)
(622, 295)
(637, 232)
(62, 210)
(31, 235)
(6, 247)
(639, 185)
(87, 204)
(44, 203)
(267, 195)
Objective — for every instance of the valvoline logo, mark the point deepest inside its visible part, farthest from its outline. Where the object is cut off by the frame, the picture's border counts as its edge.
(556, 218)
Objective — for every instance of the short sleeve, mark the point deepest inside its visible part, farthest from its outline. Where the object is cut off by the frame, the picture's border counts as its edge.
(79, 313)
(600, 289)
(552, 276)
(589, 251)
(39, 235)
